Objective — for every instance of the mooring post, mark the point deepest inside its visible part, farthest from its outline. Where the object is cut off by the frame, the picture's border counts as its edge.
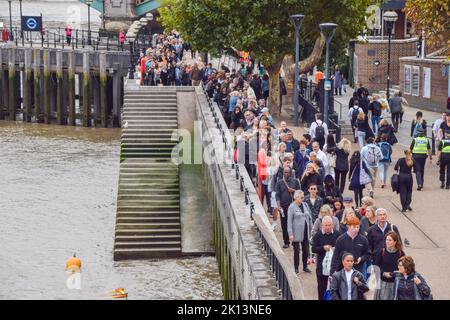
(117, 95)
(71, 86)
(46, 86)
(27, 83)
(103, 97)
(37, 85)
(86, 94)
(60, 104)
(12, 83)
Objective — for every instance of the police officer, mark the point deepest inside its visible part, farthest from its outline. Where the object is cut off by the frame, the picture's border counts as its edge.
(420, 148)
(444, 156)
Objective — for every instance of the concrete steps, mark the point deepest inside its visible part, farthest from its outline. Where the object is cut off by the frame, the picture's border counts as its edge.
(148, 203)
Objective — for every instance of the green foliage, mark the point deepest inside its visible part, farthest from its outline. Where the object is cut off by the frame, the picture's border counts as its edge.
(261, 27)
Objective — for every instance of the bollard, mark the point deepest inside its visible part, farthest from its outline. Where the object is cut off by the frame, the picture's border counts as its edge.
(86, 93)
(71, 86)
(12, 83)
(60, 104)
(27, 83)
(2, 101)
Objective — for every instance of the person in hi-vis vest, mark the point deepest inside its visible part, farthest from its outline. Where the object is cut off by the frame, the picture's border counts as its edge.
(421, 149)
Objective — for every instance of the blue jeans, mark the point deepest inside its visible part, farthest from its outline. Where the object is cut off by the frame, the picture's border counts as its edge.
(375, 121)
(361, 139)
(383, 167)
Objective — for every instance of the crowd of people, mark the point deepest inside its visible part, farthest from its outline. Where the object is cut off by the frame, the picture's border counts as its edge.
(302, 181)
(302, 184)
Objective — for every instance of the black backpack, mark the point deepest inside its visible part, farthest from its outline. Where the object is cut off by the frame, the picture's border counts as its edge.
(320, 131)
(355, 113)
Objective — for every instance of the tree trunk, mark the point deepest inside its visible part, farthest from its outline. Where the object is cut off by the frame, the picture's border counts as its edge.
(307, 64)
(274, 87)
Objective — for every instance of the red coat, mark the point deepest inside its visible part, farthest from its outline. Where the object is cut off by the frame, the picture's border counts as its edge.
(262, 169)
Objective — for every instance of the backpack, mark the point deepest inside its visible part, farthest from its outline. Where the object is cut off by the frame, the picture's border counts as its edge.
(371, 157)
(320, 131)
(355, 113)
(415, 134)
(385, 150)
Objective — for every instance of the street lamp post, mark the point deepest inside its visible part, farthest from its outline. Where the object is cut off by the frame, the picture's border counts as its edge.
(103, 15)
(11, 36)
(297, 20)
(21, 30)
(89, 3)
(328, 30)
(389, 17)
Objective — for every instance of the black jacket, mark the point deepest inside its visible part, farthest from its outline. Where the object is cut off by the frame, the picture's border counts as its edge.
(359, 247)
(318, 242)
(341, 160)
(314, 209)
(311, 179)
(390, 132)
(282, 193)
(339, 287)
(376, 237)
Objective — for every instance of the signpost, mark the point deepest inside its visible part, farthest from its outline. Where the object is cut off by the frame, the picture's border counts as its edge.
(32, 23)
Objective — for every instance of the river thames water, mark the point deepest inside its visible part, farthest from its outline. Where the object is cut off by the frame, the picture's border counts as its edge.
(58, 190)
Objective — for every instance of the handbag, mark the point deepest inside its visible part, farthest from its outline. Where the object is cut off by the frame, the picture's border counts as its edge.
(332, 160)
(394, 182)
(326, 263)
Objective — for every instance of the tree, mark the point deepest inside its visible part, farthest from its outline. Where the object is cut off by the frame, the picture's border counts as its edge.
(263, 28)
(432, 17)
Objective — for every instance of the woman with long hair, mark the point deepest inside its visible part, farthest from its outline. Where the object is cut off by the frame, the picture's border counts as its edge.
(359, 176)
(343, 150)
(363, 132)
(330, 151)
(405, 166)
(386, 260)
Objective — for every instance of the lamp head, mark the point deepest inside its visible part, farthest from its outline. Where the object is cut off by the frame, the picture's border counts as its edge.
(89, 2)
(297, 20)
(390, 16)
(328, 29)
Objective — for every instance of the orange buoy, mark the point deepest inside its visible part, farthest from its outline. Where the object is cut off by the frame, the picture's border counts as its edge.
(119, 293)
(73, 263)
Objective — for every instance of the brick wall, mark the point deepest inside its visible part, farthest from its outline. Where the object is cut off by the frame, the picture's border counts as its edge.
(439, 84)
(375, 77)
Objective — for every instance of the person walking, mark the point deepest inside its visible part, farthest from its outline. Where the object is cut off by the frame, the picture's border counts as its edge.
(196, 75)
(363, 129)
(352, 242)
(444, 160)
(371, 155)
(319, 130)
(330, 152)
(386, 260)
(421, 149)
(375, 112)
(343, 150)
(386, 160)
(405, 166)
(395, 104)
(409, 284)
(359, 176)
(348, 283)
(377, 233)
(314, 201)
(284, 190)
(368, 220)
(121, 39)
(68, 30)
(322, 244)
(338, 79)
(417, 123)
(301, 159)
(387, 129)
(353, 113)
(436, 127)
(299, 226)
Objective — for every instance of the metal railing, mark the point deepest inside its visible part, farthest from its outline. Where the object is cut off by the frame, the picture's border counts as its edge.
(286, 279)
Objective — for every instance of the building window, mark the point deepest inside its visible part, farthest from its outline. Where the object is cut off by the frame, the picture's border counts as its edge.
(415, 82)
(407, 81)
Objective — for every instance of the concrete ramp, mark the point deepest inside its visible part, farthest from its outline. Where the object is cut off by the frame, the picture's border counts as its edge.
(148, 204)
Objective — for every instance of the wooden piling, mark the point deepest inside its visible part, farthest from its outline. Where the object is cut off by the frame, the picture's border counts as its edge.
(71, 87)
(46, 86)
(37, 85)
(27, 82)
(117, 94)
(60, 104)
(103, 97)
(12, 83)
(86, 95)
